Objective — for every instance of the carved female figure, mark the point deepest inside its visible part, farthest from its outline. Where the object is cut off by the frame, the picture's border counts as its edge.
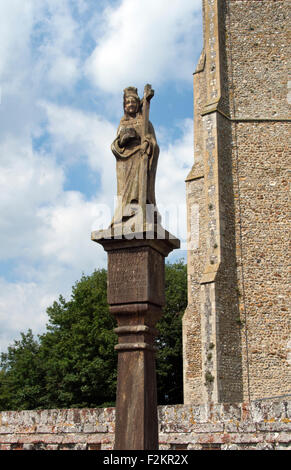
(136, 155)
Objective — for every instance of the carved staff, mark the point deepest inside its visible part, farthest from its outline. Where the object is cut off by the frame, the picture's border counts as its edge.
(148, 94)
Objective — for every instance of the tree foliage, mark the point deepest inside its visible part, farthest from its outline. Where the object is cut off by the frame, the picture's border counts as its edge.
(169, 360)
(74, 364)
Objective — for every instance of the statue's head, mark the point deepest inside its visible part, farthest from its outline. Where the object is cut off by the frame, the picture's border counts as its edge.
(131, 101)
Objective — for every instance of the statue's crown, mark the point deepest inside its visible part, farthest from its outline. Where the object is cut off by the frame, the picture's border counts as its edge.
(131, 91)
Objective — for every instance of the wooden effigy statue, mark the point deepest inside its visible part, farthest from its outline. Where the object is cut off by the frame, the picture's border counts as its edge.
(136, 151)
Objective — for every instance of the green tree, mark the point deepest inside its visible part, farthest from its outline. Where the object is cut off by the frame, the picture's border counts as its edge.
(21, 378)
(74, 364)
(169, 360)
(78, 348)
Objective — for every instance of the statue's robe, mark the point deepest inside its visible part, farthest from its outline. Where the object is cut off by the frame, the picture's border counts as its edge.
(129, 169)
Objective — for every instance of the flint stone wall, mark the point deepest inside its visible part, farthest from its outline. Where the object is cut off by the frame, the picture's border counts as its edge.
(263, 425)
(236, 328)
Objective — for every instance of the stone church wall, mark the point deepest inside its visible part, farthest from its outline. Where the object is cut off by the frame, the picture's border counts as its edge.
(236, 329)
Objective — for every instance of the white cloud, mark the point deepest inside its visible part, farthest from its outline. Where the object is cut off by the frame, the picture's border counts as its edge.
(40, 46)
(22, 306)
(66, 230)
(15, 16)
(60, 251)
(175, 161)
(46, 232)
(28, 181)
(83, 136)
(48, 229)
(44, 229)
(39, 219)
(145, 41)
(57, 44)
(77, 133)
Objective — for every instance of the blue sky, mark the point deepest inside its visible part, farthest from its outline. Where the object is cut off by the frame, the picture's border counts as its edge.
(63, 67)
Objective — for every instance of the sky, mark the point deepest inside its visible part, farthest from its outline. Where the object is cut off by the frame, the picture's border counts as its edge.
(63, 67)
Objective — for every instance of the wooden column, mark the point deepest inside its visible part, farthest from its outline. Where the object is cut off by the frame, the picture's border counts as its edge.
(136, 295)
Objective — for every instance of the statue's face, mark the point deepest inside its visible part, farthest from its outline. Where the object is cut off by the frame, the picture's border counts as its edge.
(131, 105)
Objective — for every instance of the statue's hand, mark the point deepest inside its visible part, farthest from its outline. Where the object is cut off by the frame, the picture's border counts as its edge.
(126, 136)
(146, 147)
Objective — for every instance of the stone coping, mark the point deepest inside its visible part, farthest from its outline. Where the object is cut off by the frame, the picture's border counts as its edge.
(262, 424)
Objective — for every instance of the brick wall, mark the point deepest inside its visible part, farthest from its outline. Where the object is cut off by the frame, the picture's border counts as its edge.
(261, 425)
